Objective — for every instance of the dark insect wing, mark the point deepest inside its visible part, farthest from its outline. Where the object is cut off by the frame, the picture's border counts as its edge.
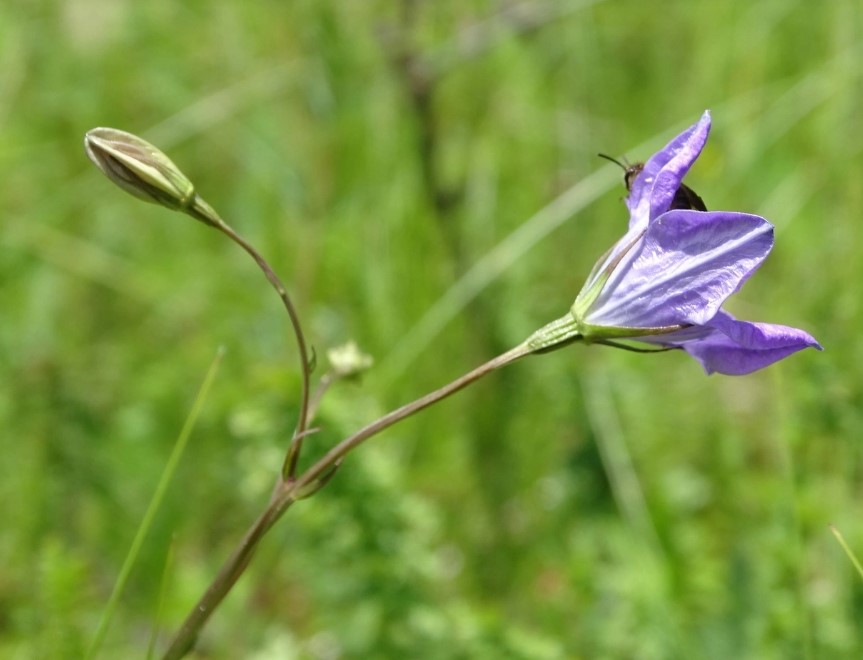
(687, 198)
(684, 198)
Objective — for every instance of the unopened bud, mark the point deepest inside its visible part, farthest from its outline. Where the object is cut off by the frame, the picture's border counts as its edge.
(139, 168)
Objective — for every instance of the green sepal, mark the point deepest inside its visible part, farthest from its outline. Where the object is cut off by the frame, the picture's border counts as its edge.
(594, 333)
(556, 334)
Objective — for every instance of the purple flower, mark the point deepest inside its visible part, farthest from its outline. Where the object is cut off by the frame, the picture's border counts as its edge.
(665, 281)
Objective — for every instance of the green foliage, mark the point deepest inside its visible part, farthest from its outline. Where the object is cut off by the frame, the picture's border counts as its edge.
(585, 504)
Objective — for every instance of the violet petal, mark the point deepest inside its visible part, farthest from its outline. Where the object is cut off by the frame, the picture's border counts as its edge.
(741, 347)
(683, 269)
(654, 188)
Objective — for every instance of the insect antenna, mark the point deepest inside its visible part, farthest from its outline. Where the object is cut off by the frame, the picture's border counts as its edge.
(621, 165)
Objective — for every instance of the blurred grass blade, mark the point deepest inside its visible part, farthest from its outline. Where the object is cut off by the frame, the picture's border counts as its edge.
(155, 503)
(505, 253)
(492, 264)
(795, 100)
(160, 605)
(847, 550)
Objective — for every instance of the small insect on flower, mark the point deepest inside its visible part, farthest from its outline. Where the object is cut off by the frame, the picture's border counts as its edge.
(684, 198)
(663, 284)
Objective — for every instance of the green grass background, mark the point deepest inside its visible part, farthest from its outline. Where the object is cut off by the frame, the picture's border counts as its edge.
(589, 503)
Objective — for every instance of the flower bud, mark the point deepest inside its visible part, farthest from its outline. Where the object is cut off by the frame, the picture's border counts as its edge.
(348, 361)
(139, 168)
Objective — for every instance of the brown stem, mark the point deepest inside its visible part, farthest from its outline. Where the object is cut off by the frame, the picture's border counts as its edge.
(202, 211)
(289, 491)
(230, 572)
(340, 450)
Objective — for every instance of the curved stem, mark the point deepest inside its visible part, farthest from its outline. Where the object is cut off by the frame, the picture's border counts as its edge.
(289, 491)
(203, 212)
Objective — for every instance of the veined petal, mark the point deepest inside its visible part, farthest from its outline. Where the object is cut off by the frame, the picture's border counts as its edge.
(654, 188)
(741, 347)
(683, 269)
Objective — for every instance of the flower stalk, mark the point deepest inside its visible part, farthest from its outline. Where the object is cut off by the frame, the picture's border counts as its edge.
(147, 173)
(665, 281)
(662, 284)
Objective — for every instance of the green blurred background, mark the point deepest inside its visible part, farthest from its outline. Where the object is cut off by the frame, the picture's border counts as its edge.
(423, 175)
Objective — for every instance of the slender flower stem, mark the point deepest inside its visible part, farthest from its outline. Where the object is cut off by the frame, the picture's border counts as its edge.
(288, 491)
(323, 385)
(231, 571)
(340, 450)
(201, 211)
